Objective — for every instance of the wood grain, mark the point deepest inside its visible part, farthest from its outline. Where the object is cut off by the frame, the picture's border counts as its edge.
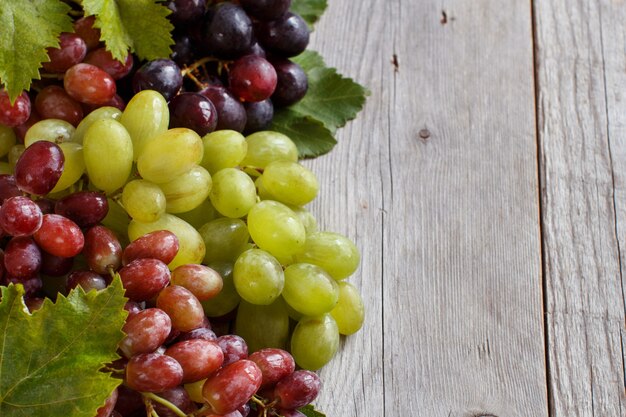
(580, 59)
(437, 183)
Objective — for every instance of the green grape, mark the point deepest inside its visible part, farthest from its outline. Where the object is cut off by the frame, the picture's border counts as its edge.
(51, 130)
(14, 154)
(314, 341)
(108, 154)
(74, 166)
(309, 289)
(143, 200)
(200, 215)
(227, 299)
(265, 147)
(223, 149)
(117, 220)
(258, 277)
(293, 314)
(7, 140)
(145, 117)
(225, 239)
(349, 313)
(106, 112)
(306, 217)
(262, 191)
(274, 227)
(290, 183)
(5, 168)
(335, 253)
(263, 326)
(170, 154)
(191, 245)
(233, 193)
(187, 191)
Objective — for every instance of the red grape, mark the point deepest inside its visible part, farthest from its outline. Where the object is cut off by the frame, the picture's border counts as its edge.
(145, 331)
(107, 408)
(193, 111)
(59, 236)
(16, 113)
(20, 216)
(199, 333)
(202, 281)
(152, 372)
(8, 188)
(85, 208)
(160, 244)
(89, 84)
(297, 389)
(87, 280)
(103, 59)
(232, 386)
(199, 358)
(182, 306)
(234, 347)
(72, 49)
(102, 250)
(85, 29)
(55, 266)
(275, 364)
(53, 102)
(144, 278)
(39, 167)
(22, 257)
(252, 78)
(177, 396)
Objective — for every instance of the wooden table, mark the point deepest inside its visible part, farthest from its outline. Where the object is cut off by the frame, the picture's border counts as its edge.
(485, 184)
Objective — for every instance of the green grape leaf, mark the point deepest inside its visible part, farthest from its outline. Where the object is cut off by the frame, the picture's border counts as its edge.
(310, 10)
(310, 411)
(50, 360)
(310, 135)
(139, 25)
(27, 29)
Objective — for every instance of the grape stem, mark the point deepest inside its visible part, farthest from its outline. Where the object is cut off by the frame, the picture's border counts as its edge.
(197, 64)
(164, 402)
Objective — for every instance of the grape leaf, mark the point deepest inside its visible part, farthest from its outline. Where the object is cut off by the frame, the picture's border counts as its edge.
(138, 25)
(310, 411)
(50, 360)
(310, 10)
(310, 135)
(27, 28)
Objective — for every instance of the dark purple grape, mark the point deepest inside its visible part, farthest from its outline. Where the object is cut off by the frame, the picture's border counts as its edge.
(129, 401)
(230, 112)
(55, 266)
(32, 285)
(256, 49)
(259, 116)
(286, 36)
(88, 280)
(193, 111)
(186, 11)
(182, 51)
(252, 78)
(85, 208)
(22, 257)
(292, 82)
(227, 30)
(39, 168)
(162, 75)
(266, 9)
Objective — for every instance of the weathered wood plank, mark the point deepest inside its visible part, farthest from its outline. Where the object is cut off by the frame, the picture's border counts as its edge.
(582, 186)
(447, 218)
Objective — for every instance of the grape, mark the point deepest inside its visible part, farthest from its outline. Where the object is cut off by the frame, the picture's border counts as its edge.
(89, 84)
(72, 49)
(258, 277)
(187, 191)
(143, 200)
(191, 245)
(21, 129)
(309, 289)
(55, 266)
(335, 253)
(162, 75)
(223, 149)
(53, 102)
(116, 102)
(266, 9)
(107, 408)
(307, 219)
(274, 364)
(193, 111)
(102, 250)
(22, 257)
(198, 358)
(182, 51)
(87, 280)
(265, 147)
(32, 285)
(259, 116)
(105, 112)
(59, 236)
(275, 228)
(186, 11)
(182, 306)
(314, 341)
(228, 298)
(51, 130)
(227, 30)
(20, 216)
(263, 326)
(85, 208)
(231, 114)
(39, 168)
(152, 372)
(200, 215)
(286, 36)
(110, 173)
(225, 239)
(200, 333)
(290, 182)
(177, 396)
(297, 389)
(232, 386)
(7, 140)
(234, 348)
(292, 83)
(146, 116)
(144, 278)
(202, 281)
(160, 244)
(15, 153)
(129, 401)
(84, 28)
(16, 113)
(145, 332)
(170, 154)
(252, 78)
(73, 168)
(233, 193)
(133, 308)
(103, 59)
(46, 205)
(8, 187)
(349, 313)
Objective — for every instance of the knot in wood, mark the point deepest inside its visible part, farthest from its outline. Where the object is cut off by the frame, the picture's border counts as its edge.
(424, 133)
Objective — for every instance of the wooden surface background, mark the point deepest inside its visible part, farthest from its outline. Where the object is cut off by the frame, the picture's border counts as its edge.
(485, 184)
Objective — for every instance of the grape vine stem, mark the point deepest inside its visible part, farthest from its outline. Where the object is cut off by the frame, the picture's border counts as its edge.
(165, 403)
